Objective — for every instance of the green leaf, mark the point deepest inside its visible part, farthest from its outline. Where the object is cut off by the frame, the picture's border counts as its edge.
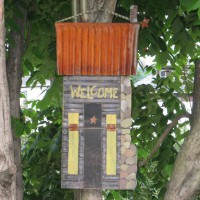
(52, 96)
(162, 58)
(177, 26)
(142, 153)
(32, 78)
(126, 4)
(29, 65)
(17, 126)
(162, 44)
(22, 95)
(36, 51)
(167, 170)
(116, 195)
(190, 5)
(199, 13)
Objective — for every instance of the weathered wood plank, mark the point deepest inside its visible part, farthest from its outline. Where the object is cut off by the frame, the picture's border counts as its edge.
(77, 105)
(92, 78)
(92, 160)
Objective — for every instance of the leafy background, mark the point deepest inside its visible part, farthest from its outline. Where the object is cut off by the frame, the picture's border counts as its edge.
(172, 38)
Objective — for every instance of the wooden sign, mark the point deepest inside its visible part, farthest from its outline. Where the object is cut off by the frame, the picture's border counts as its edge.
(96, 61)
(96, 149)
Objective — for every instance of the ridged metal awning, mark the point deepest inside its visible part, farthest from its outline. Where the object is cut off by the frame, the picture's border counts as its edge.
(97, 48)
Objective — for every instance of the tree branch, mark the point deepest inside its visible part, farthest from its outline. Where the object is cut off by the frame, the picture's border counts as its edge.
(162, 137)
(185, 179)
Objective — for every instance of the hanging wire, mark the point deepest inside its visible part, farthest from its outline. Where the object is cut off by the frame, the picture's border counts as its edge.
(95, 10)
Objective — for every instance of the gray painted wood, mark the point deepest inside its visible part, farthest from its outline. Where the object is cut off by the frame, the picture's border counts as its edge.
(109, 106)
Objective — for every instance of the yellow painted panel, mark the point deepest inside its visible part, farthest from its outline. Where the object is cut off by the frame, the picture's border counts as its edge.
(111, 146)
(73, 118)
(73, 142)
(111, 119)
(73, 152)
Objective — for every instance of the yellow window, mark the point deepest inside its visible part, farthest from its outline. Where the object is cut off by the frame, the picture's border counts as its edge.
(111, 145)
(73, 141)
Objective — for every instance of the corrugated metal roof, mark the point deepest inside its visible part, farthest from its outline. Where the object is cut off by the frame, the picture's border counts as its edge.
(97, 48)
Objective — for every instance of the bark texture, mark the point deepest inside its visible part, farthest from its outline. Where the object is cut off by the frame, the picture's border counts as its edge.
(14, 73)
(99, 16)
(88, 195)
(185, 180)
(7, 167)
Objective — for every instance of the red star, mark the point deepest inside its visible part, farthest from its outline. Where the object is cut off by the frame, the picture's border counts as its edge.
(145, 23)
(93, 120)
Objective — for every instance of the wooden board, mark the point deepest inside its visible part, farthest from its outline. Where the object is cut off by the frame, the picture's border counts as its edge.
(93, 150)
(104, 157)
(92, 158)
(92, 115)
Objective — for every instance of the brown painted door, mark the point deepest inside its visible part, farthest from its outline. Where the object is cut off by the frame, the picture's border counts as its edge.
(92, 145)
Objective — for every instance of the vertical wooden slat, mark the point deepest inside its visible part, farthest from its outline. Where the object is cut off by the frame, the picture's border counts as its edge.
(129, 51)
(118, 58)
(135, 46)
(65, 41)
(116, 50)
(123, 54)
(59, 50)
(111, 146)
(110, 51)
(104, 51)
(84, 51)
(73, 137)
(90, 56)
(97, 47)
(78, 46)
(72, 50)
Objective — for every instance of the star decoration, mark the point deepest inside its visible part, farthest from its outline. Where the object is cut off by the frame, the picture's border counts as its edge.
(145, 23)
(93, 120)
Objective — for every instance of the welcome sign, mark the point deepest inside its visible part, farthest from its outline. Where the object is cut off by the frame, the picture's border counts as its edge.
(90, 92)
(96, 60)
(97, 150)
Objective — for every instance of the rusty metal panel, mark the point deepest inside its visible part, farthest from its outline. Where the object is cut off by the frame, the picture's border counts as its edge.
(97, 48)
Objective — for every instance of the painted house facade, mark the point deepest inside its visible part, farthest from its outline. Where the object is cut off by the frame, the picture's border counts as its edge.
(96, 61)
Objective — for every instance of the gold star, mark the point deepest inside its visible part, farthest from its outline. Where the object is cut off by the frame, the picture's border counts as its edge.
(93, 120)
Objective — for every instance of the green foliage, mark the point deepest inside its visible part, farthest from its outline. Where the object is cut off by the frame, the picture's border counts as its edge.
(41, 155)
(190, 5)
(153, 109)
(17, 126)
(172, 37)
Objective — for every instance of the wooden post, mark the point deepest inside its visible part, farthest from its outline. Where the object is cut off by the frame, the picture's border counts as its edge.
(83, 9)
(75, 9)
(133, 13)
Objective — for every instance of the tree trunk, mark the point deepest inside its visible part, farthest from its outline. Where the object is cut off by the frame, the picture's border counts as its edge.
(99, 16)
(7, 167)
(185, 180)
(14, 73)
(88, 194)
